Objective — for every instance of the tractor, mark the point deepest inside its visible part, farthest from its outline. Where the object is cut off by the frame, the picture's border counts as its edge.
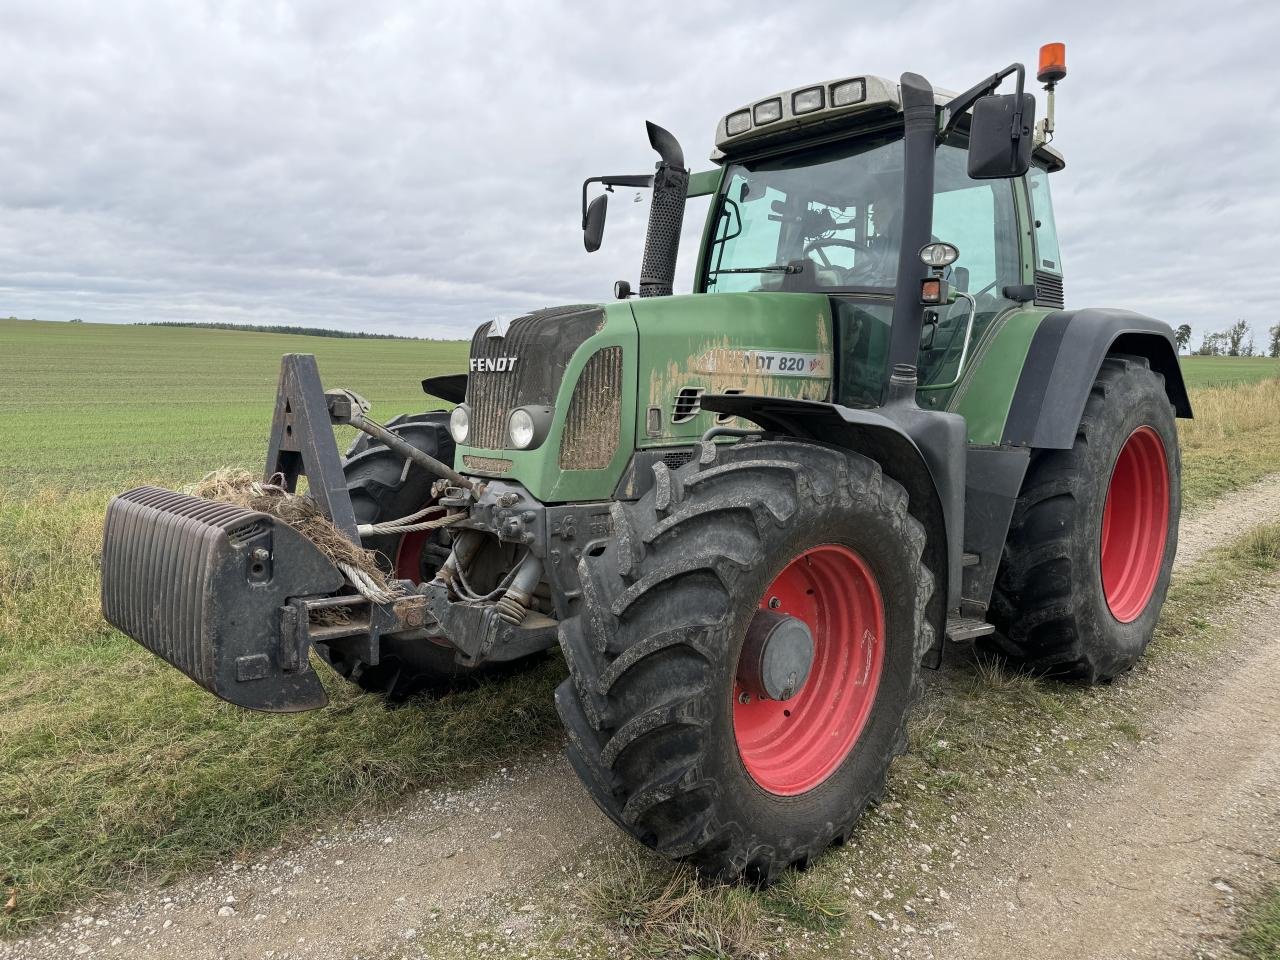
(749, 516)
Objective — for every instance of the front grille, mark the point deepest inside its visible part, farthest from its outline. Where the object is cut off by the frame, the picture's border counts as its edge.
(594, 420)
(486, 464)
(1049, 290)
(541, 343)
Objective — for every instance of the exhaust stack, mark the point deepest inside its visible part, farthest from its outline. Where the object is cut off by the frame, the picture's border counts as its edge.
(666, 215)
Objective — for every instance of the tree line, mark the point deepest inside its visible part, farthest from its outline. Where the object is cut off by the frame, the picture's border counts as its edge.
(1230, 342)
(280, 328)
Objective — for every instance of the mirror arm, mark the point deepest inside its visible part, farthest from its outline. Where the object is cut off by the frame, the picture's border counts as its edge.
(615, 180)
(958, 106)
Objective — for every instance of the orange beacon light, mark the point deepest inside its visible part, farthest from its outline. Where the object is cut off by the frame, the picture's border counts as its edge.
(1053, 63)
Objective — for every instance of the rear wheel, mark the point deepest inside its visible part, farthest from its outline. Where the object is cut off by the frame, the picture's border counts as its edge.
(1090, 550)
(384, 486)
(680, 723)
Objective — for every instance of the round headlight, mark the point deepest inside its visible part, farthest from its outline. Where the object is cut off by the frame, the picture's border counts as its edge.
(520, 427)
(460, 423)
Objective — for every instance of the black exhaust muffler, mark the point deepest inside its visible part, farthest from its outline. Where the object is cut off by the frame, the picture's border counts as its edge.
(666, 215)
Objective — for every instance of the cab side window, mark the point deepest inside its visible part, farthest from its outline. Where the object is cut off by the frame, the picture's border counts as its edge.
(1047, 255)
(979, 218)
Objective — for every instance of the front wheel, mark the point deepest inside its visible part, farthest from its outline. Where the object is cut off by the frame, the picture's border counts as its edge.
(745, 653)
(1090, 550)
(385, 486)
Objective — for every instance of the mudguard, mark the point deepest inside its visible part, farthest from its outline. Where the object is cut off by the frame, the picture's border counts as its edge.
(1063, 361)
(934, 482)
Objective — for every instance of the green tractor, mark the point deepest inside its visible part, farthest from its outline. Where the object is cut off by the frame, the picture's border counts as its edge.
(747, 516)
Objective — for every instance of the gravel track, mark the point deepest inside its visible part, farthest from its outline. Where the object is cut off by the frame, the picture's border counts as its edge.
(1152, 862)
(1128, 861)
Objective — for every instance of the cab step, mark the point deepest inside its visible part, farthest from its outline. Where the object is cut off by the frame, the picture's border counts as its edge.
(960, 629)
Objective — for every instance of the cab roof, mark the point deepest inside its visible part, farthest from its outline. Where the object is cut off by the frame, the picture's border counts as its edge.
(819, 111)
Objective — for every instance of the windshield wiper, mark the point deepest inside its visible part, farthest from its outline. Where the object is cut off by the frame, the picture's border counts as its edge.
(772, 268)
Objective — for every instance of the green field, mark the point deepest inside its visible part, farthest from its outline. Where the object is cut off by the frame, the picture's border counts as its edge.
(1227, 371)
(114, 767)
(108, 404)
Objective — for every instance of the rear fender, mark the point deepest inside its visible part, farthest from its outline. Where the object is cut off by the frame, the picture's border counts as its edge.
(1065, 355)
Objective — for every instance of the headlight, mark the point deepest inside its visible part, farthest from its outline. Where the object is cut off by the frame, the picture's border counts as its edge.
(848, 92)
(520, 426)
(938, 254)
(737, 123)
(806, 101)
(768, 111)
(460, 423)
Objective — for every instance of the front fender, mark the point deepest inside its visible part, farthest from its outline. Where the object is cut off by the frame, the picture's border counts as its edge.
(934, 484)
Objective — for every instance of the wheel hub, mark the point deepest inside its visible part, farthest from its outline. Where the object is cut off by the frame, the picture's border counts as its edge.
(777, 655)
(821, 619)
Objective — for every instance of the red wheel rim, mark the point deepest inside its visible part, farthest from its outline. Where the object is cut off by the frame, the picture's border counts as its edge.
(789, 747)
(409, 554)
(1135, 524)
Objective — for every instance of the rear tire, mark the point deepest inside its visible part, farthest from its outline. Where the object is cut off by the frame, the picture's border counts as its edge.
(385, 486)
(655, 721)
(1090, 549)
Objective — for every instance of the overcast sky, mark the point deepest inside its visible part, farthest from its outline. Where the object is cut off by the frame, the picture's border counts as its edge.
(415, 167)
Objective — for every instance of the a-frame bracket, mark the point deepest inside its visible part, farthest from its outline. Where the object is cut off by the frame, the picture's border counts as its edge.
(302, 442)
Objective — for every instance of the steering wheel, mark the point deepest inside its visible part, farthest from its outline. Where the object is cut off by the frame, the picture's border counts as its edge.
(816, 245)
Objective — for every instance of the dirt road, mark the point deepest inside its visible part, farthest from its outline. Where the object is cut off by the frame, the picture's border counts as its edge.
(1148, 864)
(1123, 869)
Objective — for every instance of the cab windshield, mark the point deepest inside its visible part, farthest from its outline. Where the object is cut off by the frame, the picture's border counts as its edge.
(827, 218)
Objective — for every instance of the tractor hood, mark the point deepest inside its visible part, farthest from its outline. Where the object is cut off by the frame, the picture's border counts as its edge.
(763, 343)
(572, 369)
(603, 380)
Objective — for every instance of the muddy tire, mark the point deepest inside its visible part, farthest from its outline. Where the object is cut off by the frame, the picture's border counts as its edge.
(1090, 550)
(384, 486)
(657, 728)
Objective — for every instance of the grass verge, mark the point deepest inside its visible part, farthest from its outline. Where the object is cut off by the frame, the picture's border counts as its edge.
(1233, 440)
(1260, 938)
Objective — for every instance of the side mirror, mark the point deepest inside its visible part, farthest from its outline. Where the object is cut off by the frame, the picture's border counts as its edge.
(593, 223)
(1000, 139)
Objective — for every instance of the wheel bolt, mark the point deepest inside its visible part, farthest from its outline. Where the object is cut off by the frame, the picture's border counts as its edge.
(744, 698)
(774, 603)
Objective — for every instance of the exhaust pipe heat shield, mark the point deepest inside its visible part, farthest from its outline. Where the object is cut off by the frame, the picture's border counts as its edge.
(201, 584)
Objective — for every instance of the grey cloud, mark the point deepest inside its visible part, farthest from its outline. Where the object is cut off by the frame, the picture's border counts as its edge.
(415, 168)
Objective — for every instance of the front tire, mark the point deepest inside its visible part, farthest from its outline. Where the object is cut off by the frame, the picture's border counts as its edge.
(657, 728)
(1090, 551)
(385, 486)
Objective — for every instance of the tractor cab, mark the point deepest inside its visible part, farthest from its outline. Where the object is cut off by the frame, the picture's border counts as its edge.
(810, 199)
(810, 196)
